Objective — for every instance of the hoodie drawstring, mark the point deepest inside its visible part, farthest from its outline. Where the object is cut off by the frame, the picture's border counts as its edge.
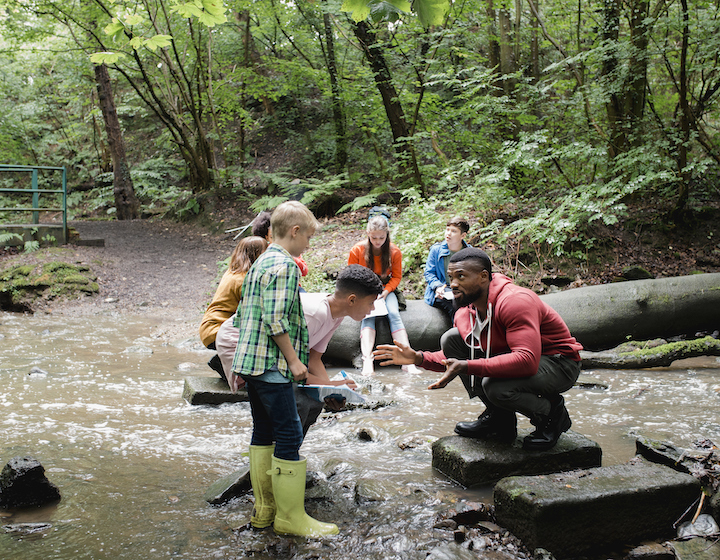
(473, 319)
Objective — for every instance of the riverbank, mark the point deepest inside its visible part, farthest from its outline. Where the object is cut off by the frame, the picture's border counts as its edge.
(167, 268)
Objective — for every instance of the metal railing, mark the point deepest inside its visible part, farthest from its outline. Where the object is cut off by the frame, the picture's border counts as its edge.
(36, 192)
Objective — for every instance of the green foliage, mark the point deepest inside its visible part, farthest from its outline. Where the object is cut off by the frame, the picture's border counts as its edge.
(420, 225)
(31, 246)
(525, 154)
(311, 192)
(191, 208)
(430, 12)
(6, 237)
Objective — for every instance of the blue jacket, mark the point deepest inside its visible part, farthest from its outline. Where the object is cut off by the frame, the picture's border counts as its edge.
(435, 269)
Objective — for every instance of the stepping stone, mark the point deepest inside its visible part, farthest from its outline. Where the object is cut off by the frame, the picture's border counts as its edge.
(575, 512)
(231, 486)
(211, 390)
(474, 462)
(23, 484)
(696, 549)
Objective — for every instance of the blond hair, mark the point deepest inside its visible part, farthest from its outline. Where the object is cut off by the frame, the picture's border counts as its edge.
(290, 214)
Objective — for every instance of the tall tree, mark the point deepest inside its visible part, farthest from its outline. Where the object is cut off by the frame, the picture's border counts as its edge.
(373, 51)
(126, 203)
(341, 141)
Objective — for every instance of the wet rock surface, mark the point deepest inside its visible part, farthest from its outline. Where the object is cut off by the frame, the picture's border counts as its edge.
(210, 390)
(23, 484)
(576, 512)
(475, 462)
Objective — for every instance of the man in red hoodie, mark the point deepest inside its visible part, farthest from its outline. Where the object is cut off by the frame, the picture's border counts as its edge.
(509, 348)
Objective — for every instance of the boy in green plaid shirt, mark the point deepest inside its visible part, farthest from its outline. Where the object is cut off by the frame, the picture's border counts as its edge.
(271, 355)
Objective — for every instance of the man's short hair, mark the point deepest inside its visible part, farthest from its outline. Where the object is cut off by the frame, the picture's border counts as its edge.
(359, 280)
(261, 224)
(460, 223)
(290, 214)
(475, 254)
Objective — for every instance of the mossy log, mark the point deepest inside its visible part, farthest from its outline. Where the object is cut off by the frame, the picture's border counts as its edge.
(635, 356)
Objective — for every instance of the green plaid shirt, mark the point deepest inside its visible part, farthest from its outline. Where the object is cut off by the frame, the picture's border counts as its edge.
(270, 306)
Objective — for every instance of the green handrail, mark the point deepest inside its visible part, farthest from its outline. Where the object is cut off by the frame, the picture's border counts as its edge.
(36, 208)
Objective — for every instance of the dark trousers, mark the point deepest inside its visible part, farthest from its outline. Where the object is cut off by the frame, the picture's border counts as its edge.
(530, 396)
(308, 409)
(445, 305)
(275, 417)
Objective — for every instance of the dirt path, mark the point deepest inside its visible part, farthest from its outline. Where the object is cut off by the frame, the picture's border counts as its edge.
(157, 268)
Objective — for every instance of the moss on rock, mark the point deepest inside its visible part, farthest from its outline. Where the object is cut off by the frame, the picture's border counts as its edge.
(22, 286)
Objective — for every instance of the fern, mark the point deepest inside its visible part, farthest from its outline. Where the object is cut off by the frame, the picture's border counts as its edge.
(6, 237)
(32, 246)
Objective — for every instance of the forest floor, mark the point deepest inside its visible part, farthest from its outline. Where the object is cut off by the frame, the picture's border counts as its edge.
(165, 267)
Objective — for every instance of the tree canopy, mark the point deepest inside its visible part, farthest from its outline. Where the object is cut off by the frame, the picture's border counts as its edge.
(556, 113)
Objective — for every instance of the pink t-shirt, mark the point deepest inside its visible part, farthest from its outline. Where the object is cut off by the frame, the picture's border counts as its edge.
(320, 322)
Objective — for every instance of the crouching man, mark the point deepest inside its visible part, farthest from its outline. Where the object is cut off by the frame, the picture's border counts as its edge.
(509, 349)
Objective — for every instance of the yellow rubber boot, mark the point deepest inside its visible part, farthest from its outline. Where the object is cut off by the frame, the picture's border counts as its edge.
(288, 481)
(263, 513)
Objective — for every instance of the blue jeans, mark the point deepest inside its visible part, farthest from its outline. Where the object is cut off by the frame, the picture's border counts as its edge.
(393, 315)
(275, 417)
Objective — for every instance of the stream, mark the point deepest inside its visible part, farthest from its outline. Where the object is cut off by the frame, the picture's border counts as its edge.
(98, 401)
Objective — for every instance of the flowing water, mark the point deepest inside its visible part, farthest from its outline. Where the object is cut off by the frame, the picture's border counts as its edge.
(106, 418)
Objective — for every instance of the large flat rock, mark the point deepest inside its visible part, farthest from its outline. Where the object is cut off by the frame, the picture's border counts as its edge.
(473, 462)
(210, 390)
(231, 486)
(574, 512)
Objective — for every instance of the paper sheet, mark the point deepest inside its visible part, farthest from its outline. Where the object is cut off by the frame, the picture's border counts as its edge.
(379, 309)
(321, 392)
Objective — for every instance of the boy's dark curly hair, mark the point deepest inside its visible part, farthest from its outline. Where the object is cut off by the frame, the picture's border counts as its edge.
(359, 280)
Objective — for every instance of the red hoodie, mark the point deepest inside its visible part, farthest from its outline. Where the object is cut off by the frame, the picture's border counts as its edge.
(522, 328)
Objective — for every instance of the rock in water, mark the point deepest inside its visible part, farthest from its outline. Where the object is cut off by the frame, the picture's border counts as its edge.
(23, 484)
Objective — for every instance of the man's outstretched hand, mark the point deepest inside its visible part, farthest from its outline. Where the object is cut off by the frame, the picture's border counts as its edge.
(453, 369)
(394, 354)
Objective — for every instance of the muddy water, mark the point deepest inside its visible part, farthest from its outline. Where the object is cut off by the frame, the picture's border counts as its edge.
(133, 460)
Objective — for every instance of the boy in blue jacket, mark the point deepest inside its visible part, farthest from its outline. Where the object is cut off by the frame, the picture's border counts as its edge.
(437, 293)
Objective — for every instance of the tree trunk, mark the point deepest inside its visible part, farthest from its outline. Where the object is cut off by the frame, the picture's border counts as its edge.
(685, 117)
(613, 106)
(604, 316)
(126, 203)
(535, 46)
(391, 101)
(636, 84)
(341, 142)
(599, 317)
(493, 43)
(507, 57)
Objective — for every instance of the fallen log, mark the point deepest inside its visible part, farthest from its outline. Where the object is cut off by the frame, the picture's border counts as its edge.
(639, 355)
(600, 317)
